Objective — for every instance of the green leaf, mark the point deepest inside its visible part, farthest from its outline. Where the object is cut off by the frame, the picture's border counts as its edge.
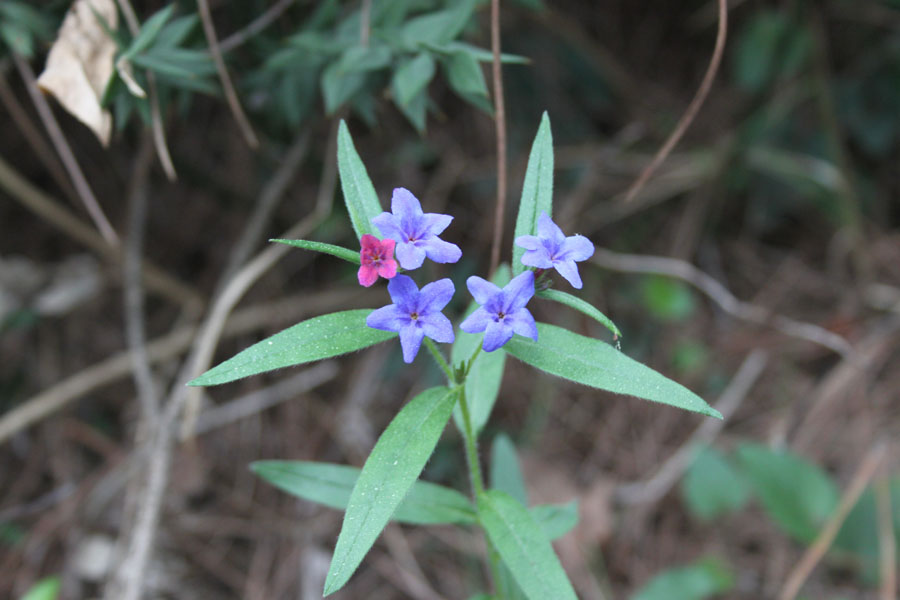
(556, 520)
(597, 364)
(858, 537)
(465, 76)
(486, 375)
(414, 111)
(412, 77)
(148, 32)
(667, 299)
(581, 306)
(702, 579)
(331, 485)
(795, 493)
(356, 59)
(506, 474)
(175, 32)
(359, 193)
(523, 547)
(537, 190)
(712, 486)
(390, 471)
(479, 54)
(338, 251)
(338, 87)
(438, 27)
(17, 38)
(45, 589)
(313, 339)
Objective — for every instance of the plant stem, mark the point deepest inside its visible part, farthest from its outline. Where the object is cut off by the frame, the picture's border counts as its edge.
(440, 360)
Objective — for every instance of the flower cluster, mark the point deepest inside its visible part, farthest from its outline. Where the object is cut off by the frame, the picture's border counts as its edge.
(416, 314)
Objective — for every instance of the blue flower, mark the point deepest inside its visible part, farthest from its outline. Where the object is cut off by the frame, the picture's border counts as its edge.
(551, 248)
(502, 312)
(415, 313)
(415, 232)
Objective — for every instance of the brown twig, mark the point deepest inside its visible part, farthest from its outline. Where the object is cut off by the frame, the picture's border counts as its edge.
(261, 22)
(365, 22)
(46, 207)
(131, 278)
(657, 486)
(230, 93)
(693, 108)
(34, 138)
(65, 152)
(500, 120)
(156, 124)
(826, 536)
(685, 271)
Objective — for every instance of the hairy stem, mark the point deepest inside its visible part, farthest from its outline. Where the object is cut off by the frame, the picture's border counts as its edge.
(440, 360)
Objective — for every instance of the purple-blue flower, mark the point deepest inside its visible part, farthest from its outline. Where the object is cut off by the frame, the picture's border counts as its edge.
(502, 312)
(415, 232)
(415, 313)
(551, 248)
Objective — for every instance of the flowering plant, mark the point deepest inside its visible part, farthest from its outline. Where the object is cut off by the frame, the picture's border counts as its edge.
(498, 324)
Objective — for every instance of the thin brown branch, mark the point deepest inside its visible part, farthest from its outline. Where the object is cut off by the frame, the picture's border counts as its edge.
(47, 208)
(65, 152)
(34, 138)
(156, 124)
(685, 271)
(657, 486)
(693, 108)
(118, 366)
(500, 120)
(826, 536)
(365, 22)
(230, 93)
(261, 22)
(131, 278)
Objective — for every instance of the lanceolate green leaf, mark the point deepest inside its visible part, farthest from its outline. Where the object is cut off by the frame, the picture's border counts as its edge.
(597, 364)
(390, 471)
(149, 32)
(537, 190)
(314, 339)
(506, 474)
(331, 485)
(338, 251)
(556, 520)
(582, 306)
(359, 193)
(412, 77)
(523, 547)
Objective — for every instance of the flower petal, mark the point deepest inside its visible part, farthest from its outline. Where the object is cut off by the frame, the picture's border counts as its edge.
(388, 225)
(518, 292)
(577, 248)
(539, 258)
(569, 270)
(434, 223)
(477, 321)
(367, 275)
(369, 242)
(410, 256)
(549, 230)
(404, 205)
(438, 327)
(404, 293)
(387, 318)
(522, 322)
(529, 242)
(481, 289)
(410, 340)
(388, 268)
(496, 334)
(435, 296)
(440, 251)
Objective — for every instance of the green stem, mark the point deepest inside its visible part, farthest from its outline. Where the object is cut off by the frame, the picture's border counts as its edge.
(472, 360)
(440, 360)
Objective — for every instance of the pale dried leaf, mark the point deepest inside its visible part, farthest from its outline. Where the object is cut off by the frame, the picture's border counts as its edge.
(80, 64)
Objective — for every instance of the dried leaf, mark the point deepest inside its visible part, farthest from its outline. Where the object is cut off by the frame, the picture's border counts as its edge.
(80, 64)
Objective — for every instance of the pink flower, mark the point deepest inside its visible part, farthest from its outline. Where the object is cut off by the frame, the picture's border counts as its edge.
(376, 258)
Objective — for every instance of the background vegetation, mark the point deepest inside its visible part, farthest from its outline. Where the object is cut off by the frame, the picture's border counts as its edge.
(759, 266)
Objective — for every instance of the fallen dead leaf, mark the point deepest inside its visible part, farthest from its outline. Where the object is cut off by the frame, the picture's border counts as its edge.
(80, 64)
